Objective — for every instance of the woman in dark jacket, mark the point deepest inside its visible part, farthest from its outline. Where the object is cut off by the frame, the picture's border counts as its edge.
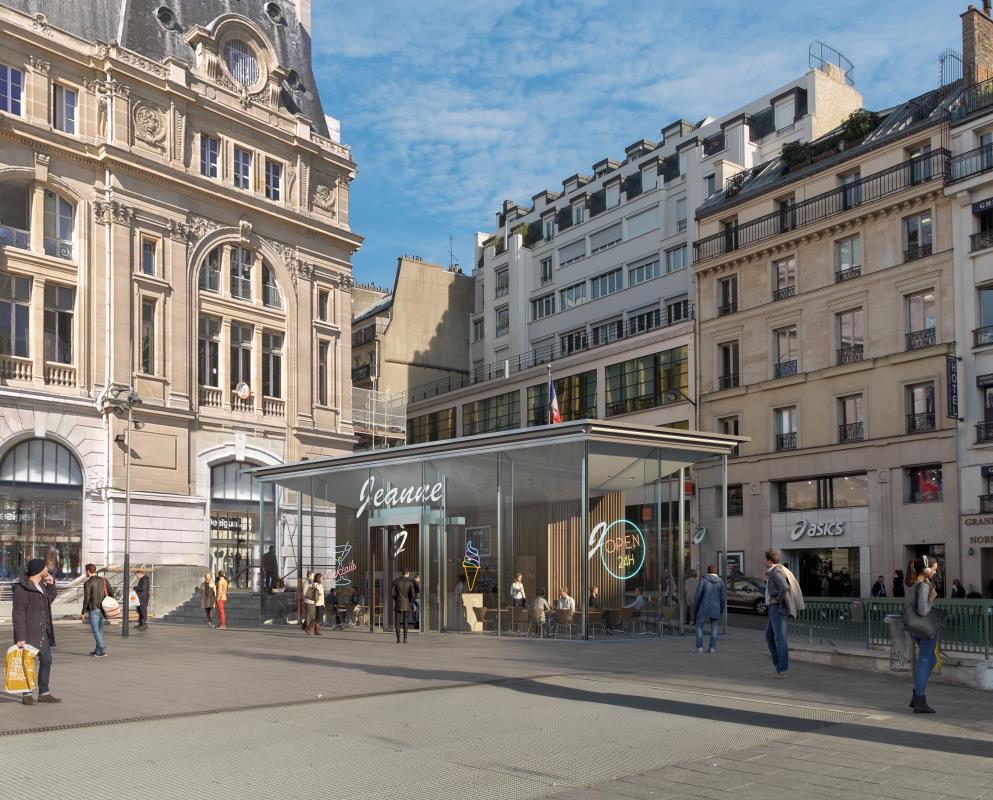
(208, 597)
(898, 584)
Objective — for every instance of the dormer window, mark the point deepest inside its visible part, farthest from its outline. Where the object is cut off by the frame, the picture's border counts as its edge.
(242, 63)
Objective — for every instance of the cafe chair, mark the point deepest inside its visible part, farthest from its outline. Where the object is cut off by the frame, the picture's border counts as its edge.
(594, 620)
(563, 619)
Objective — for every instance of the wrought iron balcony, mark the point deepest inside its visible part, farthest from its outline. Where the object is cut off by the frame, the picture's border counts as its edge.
(916, 251)
(851, 354)
(986, 504)
(973, 162)
(920, 339)
(728, 381)
(984, 433)
(59, 248)
(976, 98)
(714, 144)
(15, 237)
(852, 432)
(784, 292)
(786, 368)
(980, 241)
(843, 275)
(786, 441)
(982, 337)
(823, 206)
(920, 423)
(729, 308)
(362, 372)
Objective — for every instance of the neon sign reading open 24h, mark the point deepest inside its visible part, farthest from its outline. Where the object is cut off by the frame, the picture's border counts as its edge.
(623, 543)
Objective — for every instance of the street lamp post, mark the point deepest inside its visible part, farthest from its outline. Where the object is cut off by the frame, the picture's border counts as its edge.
(122, 402)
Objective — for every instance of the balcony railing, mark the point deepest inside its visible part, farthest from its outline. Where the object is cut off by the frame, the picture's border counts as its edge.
(15, 237)
(843, 275)
(60, 375)
(982, 337)
(980, 241)
(210, 397)
(851, 354)
(785, 368)
(362, 372)
(246, 405)
(729, 308)
(714, 144)
(986, 504)
(784, 292)
(852, 432)
(786, 441)
(976, 98)
(984, 433)
(920, 423)
(13, 368)
(823, 206)
(632, 328)
(273, 407)
(916, 251)
(973, 162)
(727, 381)
(917, 340)
(58, 248)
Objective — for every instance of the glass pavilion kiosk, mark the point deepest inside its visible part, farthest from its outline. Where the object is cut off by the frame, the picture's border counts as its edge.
(568, 507)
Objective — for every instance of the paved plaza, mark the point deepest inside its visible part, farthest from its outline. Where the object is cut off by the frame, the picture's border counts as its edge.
(183, 711)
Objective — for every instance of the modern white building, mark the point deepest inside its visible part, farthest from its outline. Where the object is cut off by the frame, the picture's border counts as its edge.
(593, 280)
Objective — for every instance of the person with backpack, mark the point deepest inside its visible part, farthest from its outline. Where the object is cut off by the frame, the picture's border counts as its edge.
(783, 599)
(95, 590)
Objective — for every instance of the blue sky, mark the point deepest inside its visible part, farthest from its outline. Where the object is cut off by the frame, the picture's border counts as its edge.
(451, 106)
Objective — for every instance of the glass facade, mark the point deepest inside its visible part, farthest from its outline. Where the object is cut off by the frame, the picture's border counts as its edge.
(491, 414)
(576, 395)
(234, 522)
(431, 427)
(591, 524)
(647, 382)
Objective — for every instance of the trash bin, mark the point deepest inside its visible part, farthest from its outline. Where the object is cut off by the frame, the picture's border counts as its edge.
(901, 645)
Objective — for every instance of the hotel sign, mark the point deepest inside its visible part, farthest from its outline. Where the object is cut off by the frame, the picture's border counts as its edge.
(952, 382)
(982, 205)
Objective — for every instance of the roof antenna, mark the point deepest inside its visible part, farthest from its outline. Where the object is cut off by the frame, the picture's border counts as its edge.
(453, 265)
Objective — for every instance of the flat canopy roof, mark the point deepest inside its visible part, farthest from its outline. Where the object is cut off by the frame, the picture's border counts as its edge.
(679, 448)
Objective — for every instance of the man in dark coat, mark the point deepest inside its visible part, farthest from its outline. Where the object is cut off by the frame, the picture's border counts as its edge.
(404, 594)
(143, 589)
(32, 617)
(269, 569)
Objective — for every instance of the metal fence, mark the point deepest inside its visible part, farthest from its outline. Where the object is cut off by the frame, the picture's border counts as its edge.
(862, 621)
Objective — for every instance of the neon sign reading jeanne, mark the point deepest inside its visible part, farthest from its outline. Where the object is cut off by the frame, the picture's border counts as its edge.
(389, 498)
(626, 548)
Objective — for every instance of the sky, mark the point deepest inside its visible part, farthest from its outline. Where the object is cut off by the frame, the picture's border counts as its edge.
(452, 106)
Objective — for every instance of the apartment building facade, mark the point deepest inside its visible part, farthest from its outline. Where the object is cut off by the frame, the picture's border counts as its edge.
(826, 300)
(173, 219)
(594, 281)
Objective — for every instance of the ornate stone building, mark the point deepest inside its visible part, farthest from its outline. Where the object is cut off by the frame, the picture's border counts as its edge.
(174, 218)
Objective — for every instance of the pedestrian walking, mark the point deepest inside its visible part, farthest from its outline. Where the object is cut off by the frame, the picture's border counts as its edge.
(308, 603)
(708, 604)
(208, 598)
(899, 587)
(404, 594)
(783, 599)
(689, 593)
(518, 597)
(95, 590)
(925, 631)
(269, 569)
(143, 589)
(31, 614)
(222, 598)
(317, 605)
(879, 587)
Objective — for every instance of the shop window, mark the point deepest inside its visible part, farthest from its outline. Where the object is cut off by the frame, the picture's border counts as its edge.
(836, 491)
(924, 484)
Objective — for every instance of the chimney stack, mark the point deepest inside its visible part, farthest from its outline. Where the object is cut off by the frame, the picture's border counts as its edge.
(977, 44)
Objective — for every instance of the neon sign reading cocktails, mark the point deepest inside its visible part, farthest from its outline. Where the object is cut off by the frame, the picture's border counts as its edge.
(341, 552)
(626, 548)
(392, 497)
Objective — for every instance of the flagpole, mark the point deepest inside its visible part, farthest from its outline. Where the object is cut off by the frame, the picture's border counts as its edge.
(548, 392)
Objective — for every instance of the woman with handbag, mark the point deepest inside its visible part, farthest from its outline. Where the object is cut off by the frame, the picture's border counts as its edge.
(317, 598)
(923, 621)
(208, 597)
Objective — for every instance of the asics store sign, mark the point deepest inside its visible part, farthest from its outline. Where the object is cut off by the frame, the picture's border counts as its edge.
(807, 528)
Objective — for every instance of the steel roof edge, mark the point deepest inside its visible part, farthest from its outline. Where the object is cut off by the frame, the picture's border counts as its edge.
(577, 430)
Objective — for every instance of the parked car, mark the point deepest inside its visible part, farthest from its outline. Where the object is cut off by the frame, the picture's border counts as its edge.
(746, 594)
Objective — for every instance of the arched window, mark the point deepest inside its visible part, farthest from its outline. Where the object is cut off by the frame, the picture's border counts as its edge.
(210, 271)
(59, 221)
(41, 461)
(271, 296)
(41, 509)
(242, 63)
(234, 521)
(231, 482)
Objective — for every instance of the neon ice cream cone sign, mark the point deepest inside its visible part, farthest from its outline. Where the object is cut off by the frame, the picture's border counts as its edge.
(470, 565)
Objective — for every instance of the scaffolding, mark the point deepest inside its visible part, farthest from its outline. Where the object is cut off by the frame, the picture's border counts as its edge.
(379, 418)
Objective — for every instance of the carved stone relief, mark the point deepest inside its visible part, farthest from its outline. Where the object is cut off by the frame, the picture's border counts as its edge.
(149, 125)
(113, 211)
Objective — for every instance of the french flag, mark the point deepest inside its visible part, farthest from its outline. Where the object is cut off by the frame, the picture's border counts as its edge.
(554, 415)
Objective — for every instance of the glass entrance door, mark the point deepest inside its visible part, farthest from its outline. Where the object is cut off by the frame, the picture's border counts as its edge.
(396, 548)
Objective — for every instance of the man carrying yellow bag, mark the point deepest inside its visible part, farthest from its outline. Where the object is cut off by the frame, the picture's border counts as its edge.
(32, 615)
(19, 669)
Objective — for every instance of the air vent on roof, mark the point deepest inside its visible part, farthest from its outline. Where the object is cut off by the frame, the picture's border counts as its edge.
(293, 79)
(166, 17)
(275, 13)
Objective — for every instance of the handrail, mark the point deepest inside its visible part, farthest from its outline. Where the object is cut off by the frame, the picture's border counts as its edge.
(835, 201)
(635, 326)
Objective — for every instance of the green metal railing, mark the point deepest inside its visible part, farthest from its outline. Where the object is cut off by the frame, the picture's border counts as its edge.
(968, 628)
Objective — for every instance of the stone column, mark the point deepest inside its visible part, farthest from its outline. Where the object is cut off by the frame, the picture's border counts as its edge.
(37, 221)
(256, 381)
(224, 364)
(36, 321)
